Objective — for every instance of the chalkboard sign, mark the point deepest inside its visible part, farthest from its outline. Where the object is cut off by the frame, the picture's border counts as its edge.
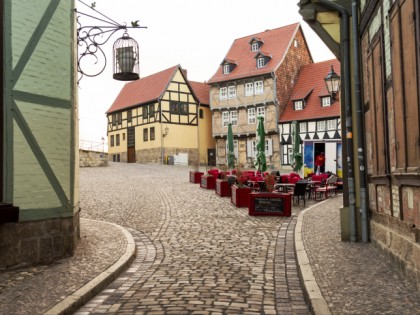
(264, 204)
(274, 204)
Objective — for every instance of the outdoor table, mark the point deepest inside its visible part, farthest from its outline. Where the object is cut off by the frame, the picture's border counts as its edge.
(284, 186)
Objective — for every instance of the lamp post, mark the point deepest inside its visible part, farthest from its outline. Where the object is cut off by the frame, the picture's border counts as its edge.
(332, 81)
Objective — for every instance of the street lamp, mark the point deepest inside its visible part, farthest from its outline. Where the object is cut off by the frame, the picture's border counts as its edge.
(332, 81)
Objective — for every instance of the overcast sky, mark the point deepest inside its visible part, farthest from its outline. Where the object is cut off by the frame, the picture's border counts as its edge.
(196, 34)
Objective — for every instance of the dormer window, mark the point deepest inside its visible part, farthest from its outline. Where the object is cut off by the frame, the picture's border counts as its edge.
(326, 101)
(226, 69)
(298, 105)
(262, 59)
(260, 62)
(255, 47)
(256, 43)
(228, 66)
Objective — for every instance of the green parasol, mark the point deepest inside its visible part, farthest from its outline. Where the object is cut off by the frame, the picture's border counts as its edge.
(230, 153)
(297, 156)
(260, 162)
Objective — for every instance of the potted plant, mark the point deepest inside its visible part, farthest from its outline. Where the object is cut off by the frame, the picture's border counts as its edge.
(240, 191)
(208, 181)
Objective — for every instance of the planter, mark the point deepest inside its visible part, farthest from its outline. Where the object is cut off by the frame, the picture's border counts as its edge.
(240, 196)
(272, 204)
(195, 176)
(223, 188)
(208, 182)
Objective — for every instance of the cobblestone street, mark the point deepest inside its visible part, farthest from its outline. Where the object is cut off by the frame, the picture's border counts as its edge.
(196, 252)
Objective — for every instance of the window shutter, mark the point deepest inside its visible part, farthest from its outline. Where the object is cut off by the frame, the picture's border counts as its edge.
(269, 152)
(249, 148)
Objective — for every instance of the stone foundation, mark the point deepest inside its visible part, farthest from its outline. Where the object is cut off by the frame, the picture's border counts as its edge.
(29, 243)
(400, 242)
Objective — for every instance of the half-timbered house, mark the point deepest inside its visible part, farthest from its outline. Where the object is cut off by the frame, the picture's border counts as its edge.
(255, 79)
(162, 118)
(318, 115)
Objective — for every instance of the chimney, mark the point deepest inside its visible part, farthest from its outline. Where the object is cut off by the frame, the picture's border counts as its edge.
(185, 72)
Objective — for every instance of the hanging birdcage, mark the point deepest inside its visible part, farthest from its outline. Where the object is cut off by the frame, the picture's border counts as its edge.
(126, 59)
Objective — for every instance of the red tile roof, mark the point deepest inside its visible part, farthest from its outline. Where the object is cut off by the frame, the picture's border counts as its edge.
(275, 44)
(311, 78)
(201, 91)
(144, 90)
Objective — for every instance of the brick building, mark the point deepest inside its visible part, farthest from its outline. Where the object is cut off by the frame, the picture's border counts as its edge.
(256, 79)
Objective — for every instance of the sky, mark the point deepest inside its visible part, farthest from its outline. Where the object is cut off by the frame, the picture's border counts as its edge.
(195, 34)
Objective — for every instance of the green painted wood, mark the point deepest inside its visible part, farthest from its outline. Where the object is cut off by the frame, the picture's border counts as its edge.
(40, 214)
(41, 99)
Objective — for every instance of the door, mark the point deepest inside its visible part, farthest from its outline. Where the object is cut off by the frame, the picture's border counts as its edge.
(131, 145)
(211, 157)
(331, 157)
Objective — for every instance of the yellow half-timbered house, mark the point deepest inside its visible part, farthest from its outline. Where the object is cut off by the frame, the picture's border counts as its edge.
(162, 118)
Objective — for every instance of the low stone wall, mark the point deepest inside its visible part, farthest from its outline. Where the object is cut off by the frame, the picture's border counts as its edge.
(30, 243)
(92, 158)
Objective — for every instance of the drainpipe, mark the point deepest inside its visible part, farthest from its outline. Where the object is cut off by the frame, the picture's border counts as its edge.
(359, 122)
(345, 41)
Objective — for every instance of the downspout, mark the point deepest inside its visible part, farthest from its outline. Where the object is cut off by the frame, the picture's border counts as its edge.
(277, 111)
(345, 41)
(359, 122)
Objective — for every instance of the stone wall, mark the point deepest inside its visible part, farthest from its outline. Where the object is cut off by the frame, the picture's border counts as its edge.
(29, 243)
(92, 158)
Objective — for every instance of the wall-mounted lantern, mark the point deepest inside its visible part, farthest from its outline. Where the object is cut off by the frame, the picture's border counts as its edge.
(332, 81)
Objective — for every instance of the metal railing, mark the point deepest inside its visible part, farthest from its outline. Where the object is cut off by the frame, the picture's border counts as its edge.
(99, 146)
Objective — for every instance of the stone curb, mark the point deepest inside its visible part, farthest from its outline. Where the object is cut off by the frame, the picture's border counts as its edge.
(74, 301)
(314, 297)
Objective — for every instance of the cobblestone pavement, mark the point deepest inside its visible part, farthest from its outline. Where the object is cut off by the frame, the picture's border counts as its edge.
(197, 253)
(354, 278)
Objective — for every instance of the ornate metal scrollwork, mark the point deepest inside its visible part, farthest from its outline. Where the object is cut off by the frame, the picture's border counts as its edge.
(91, 38)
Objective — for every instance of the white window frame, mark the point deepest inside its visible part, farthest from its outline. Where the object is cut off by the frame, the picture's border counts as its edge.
(225, 119)
(261, 112)
(259, 87)
(252, 117)
(326, 101)
(255, 46)
(320, 125)
(235, 148)
(252, 148)
(226, 69)
(223, 93)
(233, 117)
(232, 92)
(302, 127)
(331, 124)
(260, 62)
(249, 89)
(298, 105)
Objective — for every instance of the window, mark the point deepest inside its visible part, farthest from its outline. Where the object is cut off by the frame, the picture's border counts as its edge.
(331, 124)
(151, 110)
(145, 134)
(129, 116)
(260, 62)
(251, 116)
(302, 127)
(259, 87)
(119, 115)
(235, 148)
(114, 119)
(225, 119)
(234, 118)
(144, 112)
(232, 91)
(112, 141)
(320, 125)
(152, 133)
(261, 112)
(179, 108)
(117, 140)
(123, 136)
(226, 69)
(255, 46)
(252, 148)
(201, 113)
(326, 101)
(298, 105)
(249, 89)
(223, 93)
(296, 43)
